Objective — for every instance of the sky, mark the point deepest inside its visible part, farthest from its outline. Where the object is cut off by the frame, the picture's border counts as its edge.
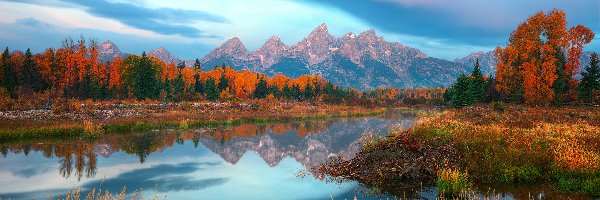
(190, 29)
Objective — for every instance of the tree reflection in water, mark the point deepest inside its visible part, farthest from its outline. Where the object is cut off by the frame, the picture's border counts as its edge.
(78, 158)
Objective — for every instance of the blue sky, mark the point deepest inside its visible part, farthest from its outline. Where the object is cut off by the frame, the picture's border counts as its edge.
(190, 29)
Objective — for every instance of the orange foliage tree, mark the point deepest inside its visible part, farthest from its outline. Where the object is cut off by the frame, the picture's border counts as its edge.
(529, 65)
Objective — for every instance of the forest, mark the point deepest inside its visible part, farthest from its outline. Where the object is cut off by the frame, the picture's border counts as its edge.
(74, 72)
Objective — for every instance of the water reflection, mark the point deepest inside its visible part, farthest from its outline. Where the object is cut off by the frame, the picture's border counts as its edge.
(206, 162)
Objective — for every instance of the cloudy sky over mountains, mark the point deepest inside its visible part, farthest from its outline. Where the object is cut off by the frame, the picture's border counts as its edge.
(189, 29)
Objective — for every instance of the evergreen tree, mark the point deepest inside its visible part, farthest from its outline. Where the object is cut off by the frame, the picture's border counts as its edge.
(9, 76)
(286, 91)
(590, 80)
(308, 92)
(261, 89)
(197, 66)
(210, 89)
(145, 83)
(461, 93)
(274, 90)
(180, 66)
(223, 84)
(30, 77)
(178, 85)
(296, 93)
(561, 84)
(89, 87)
(198, 86)
(478, 86)
(491, 93)
(168, 88)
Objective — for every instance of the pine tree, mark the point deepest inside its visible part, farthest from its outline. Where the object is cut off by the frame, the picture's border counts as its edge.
(145, 83)
(197, 66)
(168, 88)
(261, 89)
(590, 80)
(223, 84)
(30, 77)
(198, 86)
(308, 92)
(9, 79)
(561, 84)
(210, 89)
(478, 85)
(461, 93)
(178, 85)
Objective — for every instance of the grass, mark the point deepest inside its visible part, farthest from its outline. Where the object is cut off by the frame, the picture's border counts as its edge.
(522, 145)
(495, 145)
(77, 193)
(452, 182)
(90, 130)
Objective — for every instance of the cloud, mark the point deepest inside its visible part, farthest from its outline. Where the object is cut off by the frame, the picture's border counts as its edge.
(28, 172)
(32, 22)
(164, 178)
(165, 21)
(481, 23)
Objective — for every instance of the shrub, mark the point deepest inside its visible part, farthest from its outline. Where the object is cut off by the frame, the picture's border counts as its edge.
(452, 182)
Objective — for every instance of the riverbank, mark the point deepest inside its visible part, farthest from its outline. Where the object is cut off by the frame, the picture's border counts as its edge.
(489, 145)
(93, 119)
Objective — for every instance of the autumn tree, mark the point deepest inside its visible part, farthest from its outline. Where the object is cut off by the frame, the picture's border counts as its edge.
(590, 81)
(9, 76)
(530, 64)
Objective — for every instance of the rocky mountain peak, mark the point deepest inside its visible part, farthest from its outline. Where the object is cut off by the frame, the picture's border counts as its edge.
(317, 46)
(232, 48)
(270, 52)
(369, 35)
(274, 41)
(108, 51)
(162, 54)
(109, 47)
(234, 44)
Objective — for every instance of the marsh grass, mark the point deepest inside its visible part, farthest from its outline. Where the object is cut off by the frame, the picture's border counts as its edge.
(522, 145)
(89, 129)
(452, 183)
(77, 193)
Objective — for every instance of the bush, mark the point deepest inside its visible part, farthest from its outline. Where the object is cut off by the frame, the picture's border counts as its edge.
(452, 182)
(498, 106)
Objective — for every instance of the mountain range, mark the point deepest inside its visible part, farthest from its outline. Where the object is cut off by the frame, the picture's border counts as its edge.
(363, 61)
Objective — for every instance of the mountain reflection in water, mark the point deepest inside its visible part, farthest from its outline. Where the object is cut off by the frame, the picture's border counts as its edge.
(206, 162)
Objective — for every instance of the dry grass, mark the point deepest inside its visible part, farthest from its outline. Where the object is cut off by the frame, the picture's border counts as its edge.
(99, 194)
(522, 144)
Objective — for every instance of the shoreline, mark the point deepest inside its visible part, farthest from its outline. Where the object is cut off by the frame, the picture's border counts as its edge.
(182, 117)
(516, 145)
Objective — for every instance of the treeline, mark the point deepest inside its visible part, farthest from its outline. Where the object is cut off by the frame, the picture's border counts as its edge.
(75, 71)
(537, 67)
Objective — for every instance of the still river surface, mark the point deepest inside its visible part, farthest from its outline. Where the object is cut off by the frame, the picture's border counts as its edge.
(248, 161)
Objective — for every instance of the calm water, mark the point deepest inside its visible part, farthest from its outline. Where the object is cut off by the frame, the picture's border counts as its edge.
(250, 161)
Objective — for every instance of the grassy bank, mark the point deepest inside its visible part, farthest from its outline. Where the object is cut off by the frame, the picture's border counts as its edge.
(506, 145)
(179, 120)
